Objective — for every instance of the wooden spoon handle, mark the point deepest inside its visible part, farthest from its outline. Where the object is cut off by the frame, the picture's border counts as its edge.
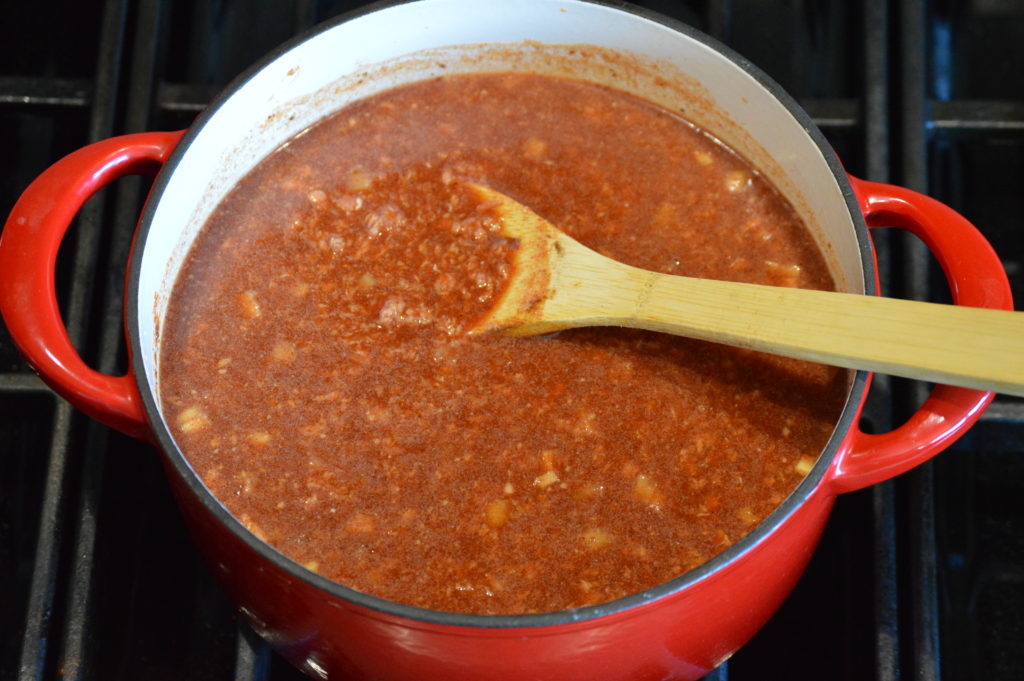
(972, 347)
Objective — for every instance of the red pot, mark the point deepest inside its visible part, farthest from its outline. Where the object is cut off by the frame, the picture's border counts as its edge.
(680, 629)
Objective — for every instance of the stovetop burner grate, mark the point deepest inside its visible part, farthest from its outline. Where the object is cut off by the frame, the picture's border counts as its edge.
(919, 578)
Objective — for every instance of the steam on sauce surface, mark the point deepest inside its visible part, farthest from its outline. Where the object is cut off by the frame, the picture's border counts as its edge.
(316, 375)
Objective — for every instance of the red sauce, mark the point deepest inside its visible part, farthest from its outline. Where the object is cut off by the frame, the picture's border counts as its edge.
(317, 376)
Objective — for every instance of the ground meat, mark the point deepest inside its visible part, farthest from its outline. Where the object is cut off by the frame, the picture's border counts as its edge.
(316, 372)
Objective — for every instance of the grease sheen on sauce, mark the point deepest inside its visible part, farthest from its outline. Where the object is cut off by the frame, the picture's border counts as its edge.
(316, 375)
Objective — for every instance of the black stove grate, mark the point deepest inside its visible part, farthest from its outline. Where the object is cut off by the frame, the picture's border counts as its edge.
(922, 577)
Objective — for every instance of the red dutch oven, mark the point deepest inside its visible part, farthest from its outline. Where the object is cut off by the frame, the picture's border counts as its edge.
(680, 629)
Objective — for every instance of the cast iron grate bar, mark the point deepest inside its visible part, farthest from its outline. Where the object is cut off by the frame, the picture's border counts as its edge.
(976, 155)
(878, 410)
(718, 18)
(22, 384)
(252, 658)
(834, 113)
(185, 97)
(920, 508)
(46, 596)
(75, 656)
(719, 673)
(44, 576)
(977, 115)
(31, 91)
(1012, 412)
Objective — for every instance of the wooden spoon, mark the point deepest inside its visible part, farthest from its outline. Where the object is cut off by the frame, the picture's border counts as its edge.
(558, 283)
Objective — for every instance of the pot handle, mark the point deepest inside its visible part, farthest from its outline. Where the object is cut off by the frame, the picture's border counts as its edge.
(28, 254)
(977, 279)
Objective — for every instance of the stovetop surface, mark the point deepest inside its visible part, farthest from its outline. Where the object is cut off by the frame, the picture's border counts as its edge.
(922, 577)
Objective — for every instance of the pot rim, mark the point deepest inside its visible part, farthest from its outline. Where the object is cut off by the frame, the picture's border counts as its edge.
(808, 487)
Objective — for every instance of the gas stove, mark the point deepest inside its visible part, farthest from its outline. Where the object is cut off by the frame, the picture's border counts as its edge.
(921, 577)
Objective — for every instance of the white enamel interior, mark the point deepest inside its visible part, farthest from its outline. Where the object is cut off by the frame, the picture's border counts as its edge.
(323, 74)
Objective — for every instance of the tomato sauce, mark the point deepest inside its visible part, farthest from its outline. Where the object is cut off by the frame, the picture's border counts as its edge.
(316, 372)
